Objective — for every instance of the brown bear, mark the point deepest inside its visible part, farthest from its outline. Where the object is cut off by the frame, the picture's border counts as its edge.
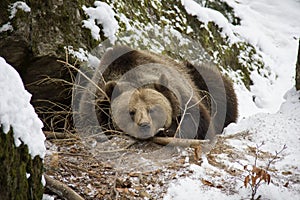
(145, 94)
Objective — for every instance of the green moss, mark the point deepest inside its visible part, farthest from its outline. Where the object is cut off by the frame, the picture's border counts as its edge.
(15, 163)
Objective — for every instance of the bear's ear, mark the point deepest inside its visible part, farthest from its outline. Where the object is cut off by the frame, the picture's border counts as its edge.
(110, 88)
(163, 80)
(114, 53)
(162, 83)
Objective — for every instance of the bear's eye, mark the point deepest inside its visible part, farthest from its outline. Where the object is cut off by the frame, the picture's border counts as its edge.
(132, 113)
(151, 110)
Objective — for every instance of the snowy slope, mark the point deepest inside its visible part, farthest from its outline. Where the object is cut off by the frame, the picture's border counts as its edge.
(273, 27)
(273, 118)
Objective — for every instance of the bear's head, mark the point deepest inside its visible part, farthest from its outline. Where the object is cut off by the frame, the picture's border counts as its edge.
(139, 112)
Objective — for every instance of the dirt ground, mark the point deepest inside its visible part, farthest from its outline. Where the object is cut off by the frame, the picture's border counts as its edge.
(117, 167)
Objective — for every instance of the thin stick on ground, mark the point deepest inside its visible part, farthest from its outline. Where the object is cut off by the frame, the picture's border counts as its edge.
(61, 189)
(60, 135)
(179, 141)
(83, 170)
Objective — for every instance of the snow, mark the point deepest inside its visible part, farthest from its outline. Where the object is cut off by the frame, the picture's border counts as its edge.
(17, 112)
(103, 14)
(81, 54)
(48, 197)
(6, 27)
(278, 129)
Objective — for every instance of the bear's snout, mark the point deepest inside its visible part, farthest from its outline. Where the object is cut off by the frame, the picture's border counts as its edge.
(145, 128)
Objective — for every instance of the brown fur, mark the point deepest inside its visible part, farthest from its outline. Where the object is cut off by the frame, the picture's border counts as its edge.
(209, 79)
(142, 100)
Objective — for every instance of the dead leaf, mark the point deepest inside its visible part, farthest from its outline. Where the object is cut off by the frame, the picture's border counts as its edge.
(208, 183)
(246, 181)
(253, 179)
(287, 173)
(54, 161)
(197, 152)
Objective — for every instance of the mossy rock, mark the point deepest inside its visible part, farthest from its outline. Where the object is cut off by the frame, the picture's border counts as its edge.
(16, 164)
(35, 45)
(240, 57)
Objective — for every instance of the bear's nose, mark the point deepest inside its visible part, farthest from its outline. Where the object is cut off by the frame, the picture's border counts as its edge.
(144, 125)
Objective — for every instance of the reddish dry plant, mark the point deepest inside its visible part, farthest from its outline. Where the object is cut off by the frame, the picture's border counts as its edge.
(257, 175)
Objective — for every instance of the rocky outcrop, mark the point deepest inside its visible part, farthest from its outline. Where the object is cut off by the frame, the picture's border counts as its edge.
(39, 32)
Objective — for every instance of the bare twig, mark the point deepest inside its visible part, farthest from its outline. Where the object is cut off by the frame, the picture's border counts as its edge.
(177, 132)
(275, 156)
(256, 175)
(84, 170)
(85, 76)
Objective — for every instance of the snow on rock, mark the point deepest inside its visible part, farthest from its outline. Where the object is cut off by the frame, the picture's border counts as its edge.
(6, 27)
(81, 54)
(103, 14)
(206, 15)
(18, 5)
(17, 112)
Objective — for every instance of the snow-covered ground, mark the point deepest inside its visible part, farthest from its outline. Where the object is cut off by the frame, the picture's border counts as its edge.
(273, 28)
(275, 130)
